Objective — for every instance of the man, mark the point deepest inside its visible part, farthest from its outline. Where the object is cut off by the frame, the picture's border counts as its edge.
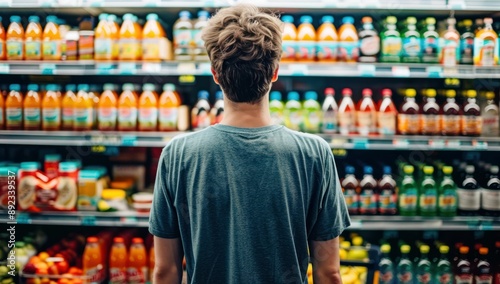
(244, 200)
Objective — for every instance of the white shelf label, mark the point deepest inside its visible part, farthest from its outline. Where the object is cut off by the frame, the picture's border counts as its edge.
(205, 68)
(480, 145)
(453, 143)
(5, 3)
(366, 70)
(46, 3)
(401, 71)
(400, 143)
(434, 71)
(186, 68)
(4, 68)
(438, 144)
(299, 69)
(457, 4)
(151, 67)
(127, 68)
(48, 68)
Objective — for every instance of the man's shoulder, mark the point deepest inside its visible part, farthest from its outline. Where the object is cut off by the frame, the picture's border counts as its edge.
(185, 139)
(307, 139)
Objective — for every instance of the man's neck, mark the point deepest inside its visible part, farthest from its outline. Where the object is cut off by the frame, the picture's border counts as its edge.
(246, 115)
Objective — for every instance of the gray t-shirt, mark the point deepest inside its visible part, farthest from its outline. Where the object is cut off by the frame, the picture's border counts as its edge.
(246, 201)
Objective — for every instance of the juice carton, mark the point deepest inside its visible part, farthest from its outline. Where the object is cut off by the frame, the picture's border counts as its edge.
(130, 44)
(328, 40)
(168, 104)
(306, 40)
(14, 108)
(107, 111)
(51, 109)
(3, 51)
(148, 109)
(32, 109)
(485, 45)
(155, 45)
(33, 41)
(103, 42)
(89, 190)
(51, 45)
(348, 41)
(15, 39)
(127, 109)
(183, 37)
(68, 107)
(200, 53)
(289, 38)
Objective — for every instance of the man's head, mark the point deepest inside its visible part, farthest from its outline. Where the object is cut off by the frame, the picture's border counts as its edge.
(244, 46)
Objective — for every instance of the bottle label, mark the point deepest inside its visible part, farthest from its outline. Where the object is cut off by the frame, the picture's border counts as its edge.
(51, 117)
(430, 124)
(33, 49)
(408, 123)
(387, 201)
(107, 117)
(32, 117)
(312, 121)
(351, 200)
(14, 116)
(386, 123)
(448, 201)
(1, 117)
(491, 200)
(467, 50)
(294, 120)
(366, 122)
(469, 199)
(129, 48)
(483, 279)
(424, 278)
(103, 48)
(450, 124)
(168, 118)
(428, 201)
(67, 117)
(370, 46)
(471, 125)
(154, 48)
(289, 50)
(95, 275)
(412, 47)
(2, 46)
(485, 52)
(182, 41)
(127, 117)
(51, 49)
(201, 118)
(491, 125)
(330, 122)
(14, 49)
(463, 279)
(306, 50)
(349, 50)
(148, 117)
(386, 275)
(137, 276)
(198, 41)
(391, 48)
(346, 122)
(83, 117)
(449, 53)
(430, 47)
(405, 274)
(117, 276)
(327, 50)
(408, 200)
(444, 277)
(367, 202)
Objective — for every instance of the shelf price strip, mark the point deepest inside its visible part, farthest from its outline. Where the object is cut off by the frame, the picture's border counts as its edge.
(23, 218)
(4, 68)
(48, 69)
(88, 220)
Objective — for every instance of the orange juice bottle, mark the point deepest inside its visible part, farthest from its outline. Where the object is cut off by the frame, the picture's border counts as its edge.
(114, 32)
(127, 109)
(129, 39)
(3, 52)
(68, 106)
(93, 261)
(348, 41)
(107, 109)
(154, 40)
(289, 37)
(306, 40)
(103, 43)
(51, 45)
(137, 271)
(14, 108)
(148, 109)
(118, 258)
(32, 108)
(15, 39)
(327, 40)
(151, 262)
(485, 45)
(33, 39)
(51, 109)
(84, 109)
(169, 104)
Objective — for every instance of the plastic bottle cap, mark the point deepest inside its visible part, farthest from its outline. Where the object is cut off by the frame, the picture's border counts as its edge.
(306, 19)
(15, 87)
(67, 167)
(428, 170)
(108, 87)
(128, 87)
(451, 21)
(405, 249)
(444, 249)
(431, 93)
(51, 19)
(357, 241)
(203, 95)
(152, 17)
(385, 248)
(203, 14)
(169, 87)
(367, 20)
(368, 170)
(483, 251)
(29, 166)
(149, 87)
(287, 19)
(391, 20)
(367, 93)
(34, 19)
(408, 169)
(471, 93)
(424, 249)
(411, 20)
(494, 170)
(345, 244)
(71, 87)
(103, 17)
(311, 95)
(92, 240)
(470, 169)
(128, 17)
(52, 158)
(4, 171)
(387, 170)
(137, 241)
(451, 93)
(83, 87)
(349, 170)
(467, 22)
(430, 21)
(329, 92)
(275, 96)
(447, 170)
(219, 95)
(119, 240)
(411, 93)
(387, 93)
(346, 92)
(348, 20)
(89, 174)
(112, 18)
(327, 19)
(185, 14)
(490, 95)
(293, 96)
(51, 88)
(33, 87)
(488, 21)
(15, 19)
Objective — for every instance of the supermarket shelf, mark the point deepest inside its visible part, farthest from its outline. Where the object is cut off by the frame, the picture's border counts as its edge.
(174, 68)
(160, 139)
(133, 218)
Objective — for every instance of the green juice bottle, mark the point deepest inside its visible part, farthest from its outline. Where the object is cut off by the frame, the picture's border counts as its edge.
(444, 271)
(447, 198)
(405, 270)
(312, 113)
(424, 267)
(428, 193)
(293, 112)
(412, 48)
(430, 42)
(276, 108)
(391, 41)
(408, 193)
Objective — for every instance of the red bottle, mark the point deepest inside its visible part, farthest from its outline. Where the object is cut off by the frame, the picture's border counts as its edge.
(368, 195)
(483, 270)
(450, 120)
(366, 114)
(350, 186)
(386, 114)
(347, 111)
(463, 267)
(430, 119)
(387, 197)
(408, 117)
(496, 268)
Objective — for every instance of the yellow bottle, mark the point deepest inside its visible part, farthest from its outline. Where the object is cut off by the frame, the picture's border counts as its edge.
(84, 109)
(33, 42)
(15, 39)
(14, 108)
(148, 109)
(485, 45)
(107, 109)
(114, 29)
(103, 44)
(130, 44)
(68, 105)
(51, 45)
(127, 109)
(51, 109)
(32, 108)
(154, 41)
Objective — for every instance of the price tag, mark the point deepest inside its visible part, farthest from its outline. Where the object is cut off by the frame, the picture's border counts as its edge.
(437, 144)
(480, 145)
(150, 3)
(130, 220)
(105, 140)
(46, 3)
(298, 69)
(339, 142)
(88, 220)
(434, 71)
(457, 5)
(339, 152)
(127, 68)
(23, 218)
(187, 79)
(4, 68)
(366, 70)
(48, 69)
(452, 82)
(186, 68)
(453, 143)
(5, 3)
(96, 3)
(205, 68)
(400, 143)
(360, 143)
(129, 140)
(401, 71)
(487, 225)
(104, 69)
(151, 67)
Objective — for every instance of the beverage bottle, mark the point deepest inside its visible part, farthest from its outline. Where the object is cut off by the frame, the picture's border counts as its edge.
(118, 262)
(386, 266)
(200, 114)
(93, 261)
(490, 116)
(368, 196)
(293, 112)
(463, 267)
(430, 44)
(366, 114)
(217, 112)
(137, 272)
(444, 271)
(428, 193)
(306, 40)
(469, 195)
(348, 41)
(2, 112)
(68, 106)
(32, 106)
(408, 116)
(330, 112)
(51, 109)
(347, 111)
(107, 110)
(391, 41)
(15, 39)
(405, 269)
(451, 118)
(312, 113)
(491, 194)
(328, 40)
(276, 108)
(412, 49)
(447, 194)
(103, 42)
(33, 41)
(350, 186)
(485, 45)
(14, 108)
(148, 109)
(449, 44)
(431, 119)
(387, 198)
(128, 108)
(114, 34)
(386, 114)
(169, 104)
(138, 29)
(3, 50)
(408, 193)
(467, 43)
(483, 272)
(154, 40)
(369, 41)
(424, 266)
(129, 42)
(83, 112)
(183, 29)
(51, 44)
(471, 116)
(200, 53)
(496, 269)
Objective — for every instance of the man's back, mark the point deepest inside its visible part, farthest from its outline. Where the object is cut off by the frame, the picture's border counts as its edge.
(246, 201)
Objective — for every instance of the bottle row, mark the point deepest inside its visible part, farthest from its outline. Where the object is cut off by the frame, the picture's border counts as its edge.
(407, 41)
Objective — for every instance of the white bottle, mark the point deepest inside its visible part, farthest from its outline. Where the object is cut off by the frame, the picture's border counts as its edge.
(183, 33)
(199, 52)
(490, 114)
(330, 112)
(347, 112)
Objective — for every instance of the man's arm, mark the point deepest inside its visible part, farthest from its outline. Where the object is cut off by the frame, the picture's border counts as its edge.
(326, 261)
(168, 261)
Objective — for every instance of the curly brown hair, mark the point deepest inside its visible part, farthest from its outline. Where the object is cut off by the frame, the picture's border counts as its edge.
(244, 45)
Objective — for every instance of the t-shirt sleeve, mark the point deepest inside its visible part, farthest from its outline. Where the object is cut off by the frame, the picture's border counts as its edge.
(332, 215)
(163, 221)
